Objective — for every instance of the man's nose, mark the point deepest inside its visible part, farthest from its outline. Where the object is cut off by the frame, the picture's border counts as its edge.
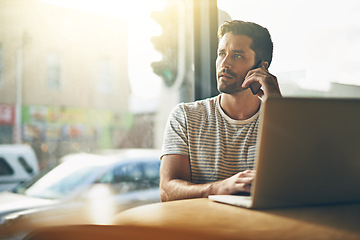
(226, 63)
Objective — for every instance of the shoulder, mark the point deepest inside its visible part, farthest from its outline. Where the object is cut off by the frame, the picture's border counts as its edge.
(201, 106)
(194, 112)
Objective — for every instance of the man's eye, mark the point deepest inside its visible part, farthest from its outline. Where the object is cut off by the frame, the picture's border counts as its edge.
(221, 54)
(237, 56)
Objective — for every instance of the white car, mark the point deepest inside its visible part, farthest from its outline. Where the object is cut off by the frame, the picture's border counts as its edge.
(18, 163)
(83, 189)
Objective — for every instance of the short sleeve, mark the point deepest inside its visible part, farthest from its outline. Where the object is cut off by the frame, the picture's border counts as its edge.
(175, 139)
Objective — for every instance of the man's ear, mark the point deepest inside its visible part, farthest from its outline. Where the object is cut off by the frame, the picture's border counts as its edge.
(264, 65)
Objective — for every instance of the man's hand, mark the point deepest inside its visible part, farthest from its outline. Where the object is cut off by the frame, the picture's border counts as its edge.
(175, 181)
(240, 182)
(269, 83)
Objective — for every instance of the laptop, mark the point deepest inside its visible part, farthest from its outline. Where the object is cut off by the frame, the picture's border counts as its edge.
(308, 154)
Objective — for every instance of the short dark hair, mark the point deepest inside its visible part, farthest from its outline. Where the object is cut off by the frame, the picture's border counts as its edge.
(262, 44)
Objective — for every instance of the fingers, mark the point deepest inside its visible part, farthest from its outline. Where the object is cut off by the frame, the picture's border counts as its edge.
(245, 177)
(240, 182)
(247, 173)
(246, 188)
(269, 83)
(243, 187)
(255, 75)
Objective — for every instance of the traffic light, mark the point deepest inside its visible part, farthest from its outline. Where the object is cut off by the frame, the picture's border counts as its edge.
(167, 43)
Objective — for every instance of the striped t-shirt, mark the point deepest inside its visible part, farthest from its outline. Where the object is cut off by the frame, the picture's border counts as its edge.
(218, 146)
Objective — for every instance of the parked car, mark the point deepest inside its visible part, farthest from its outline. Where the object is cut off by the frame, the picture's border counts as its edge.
(82, 189)
(18, 163)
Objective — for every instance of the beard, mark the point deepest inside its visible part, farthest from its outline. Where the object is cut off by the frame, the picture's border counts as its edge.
(231, 87)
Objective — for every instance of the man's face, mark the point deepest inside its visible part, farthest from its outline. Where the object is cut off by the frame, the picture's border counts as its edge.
(235, 58)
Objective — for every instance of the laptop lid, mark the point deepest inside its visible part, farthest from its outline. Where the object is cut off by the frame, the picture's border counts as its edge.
(308, 154)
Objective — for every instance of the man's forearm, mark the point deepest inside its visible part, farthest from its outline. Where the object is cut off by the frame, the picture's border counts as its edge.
(179, 189)
(176, 189)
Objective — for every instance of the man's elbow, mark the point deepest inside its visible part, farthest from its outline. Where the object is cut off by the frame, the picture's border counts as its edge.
(163, 195)
(165, 191)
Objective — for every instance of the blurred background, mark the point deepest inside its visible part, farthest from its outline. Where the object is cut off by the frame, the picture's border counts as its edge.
(84, 75)
(86, 87)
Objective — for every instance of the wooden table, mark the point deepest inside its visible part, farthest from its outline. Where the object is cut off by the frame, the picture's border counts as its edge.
(220, 221)
(204, 219)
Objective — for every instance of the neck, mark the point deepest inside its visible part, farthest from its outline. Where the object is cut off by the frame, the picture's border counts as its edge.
(240, 106)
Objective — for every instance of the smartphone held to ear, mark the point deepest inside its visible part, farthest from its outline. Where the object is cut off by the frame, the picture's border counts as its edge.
(255, 86)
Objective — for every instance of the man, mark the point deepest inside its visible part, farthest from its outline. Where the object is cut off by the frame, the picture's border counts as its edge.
(209, 145)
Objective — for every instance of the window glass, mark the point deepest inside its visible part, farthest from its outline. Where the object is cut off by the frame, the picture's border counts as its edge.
(5, 168)
(151, 174)
(133, 176)
(25, 165)
(64, 180)
(1, 64)
(151, 170)
(106, 79)
(315, 43)
(78, 75)
(53, 71)
(127, 173)
(124, 178)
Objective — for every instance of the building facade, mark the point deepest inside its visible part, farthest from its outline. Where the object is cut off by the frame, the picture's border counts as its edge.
(64, 82)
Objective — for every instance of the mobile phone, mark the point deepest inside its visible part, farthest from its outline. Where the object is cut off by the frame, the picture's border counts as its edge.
(255, 86)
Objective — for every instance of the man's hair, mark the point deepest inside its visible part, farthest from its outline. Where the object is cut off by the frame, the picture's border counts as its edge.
(262, 44)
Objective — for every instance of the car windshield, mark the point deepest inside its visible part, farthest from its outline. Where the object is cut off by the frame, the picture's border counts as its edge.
(63, 181)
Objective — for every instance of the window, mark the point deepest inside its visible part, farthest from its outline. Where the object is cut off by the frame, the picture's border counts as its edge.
(130, 173)
(5, 168)
(53, 71)
(25, 165)
(151, 174)
(106, 78)
(63, 181)
(124, 178)
(1, 64)
(133, 176)
(314, 52)
(87, 77)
